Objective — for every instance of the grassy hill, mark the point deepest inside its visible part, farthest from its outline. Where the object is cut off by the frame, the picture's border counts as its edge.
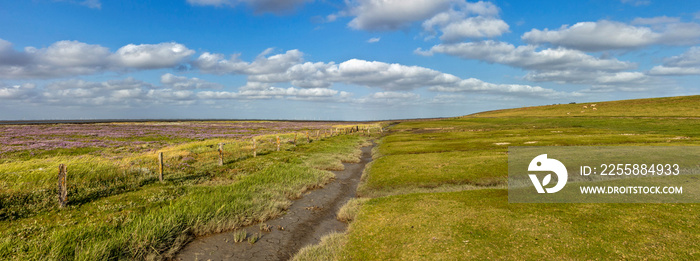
(682, 106)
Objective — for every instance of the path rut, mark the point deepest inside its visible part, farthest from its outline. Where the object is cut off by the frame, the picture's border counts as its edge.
(306, 221)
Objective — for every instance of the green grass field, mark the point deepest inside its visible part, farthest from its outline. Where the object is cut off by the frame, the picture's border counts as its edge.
(438, 189)
(118, 209)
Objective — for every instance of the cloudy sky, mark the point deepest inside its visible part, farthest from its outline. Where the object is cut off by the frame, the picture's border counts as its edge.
(342, 60)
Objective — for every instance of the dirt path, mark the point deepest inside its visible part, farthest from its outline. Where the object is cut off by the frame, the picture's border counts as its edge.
(306, 221)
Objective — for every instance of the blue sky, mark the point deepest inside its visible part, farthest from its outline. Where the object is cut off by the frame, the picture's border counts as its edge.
(336, 60)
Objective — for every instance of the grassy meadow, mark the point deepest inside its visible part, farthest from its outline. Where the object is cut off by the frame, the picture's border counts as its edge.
(437, 189)
(118, 209)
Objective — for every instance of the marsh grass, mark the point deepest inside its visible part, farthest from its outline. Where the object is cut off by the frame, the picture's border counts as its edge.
(254, 238)
(438, 189)
(328, 249)
(118, 210)
(265, 227)
(239, 236)
(481, 224)
(348, 212)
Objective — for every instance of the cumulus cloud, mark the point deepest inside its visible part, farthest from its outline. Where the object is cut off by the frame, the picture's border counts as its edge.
(358, 72)
(473, 27)
(59, 59)
(16, 92)
(263, 64)
(687, 63)
(479, 86)
(384, 15)
(528, 57)
(390, 78)
(610, 35)
(291, 93)
(458, 23)
(151, 56)
(123, 91)
(600, 78)
(389, 98)
(70, 58)
(456, 19)
(558, 65)
(184, 83)
(259, 6)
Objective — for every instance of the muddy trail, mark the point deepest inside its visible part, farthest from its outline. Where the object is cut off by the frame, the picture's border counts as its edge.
(305, 222)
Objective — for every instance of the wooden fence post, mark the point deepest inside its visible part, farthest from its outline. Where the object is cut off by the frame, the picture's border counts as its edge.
(278, 143)
(221, 154)
(160, 167)
(62, 185)
(318, 133)
(255, 149)
(295, 138)
(307, 137)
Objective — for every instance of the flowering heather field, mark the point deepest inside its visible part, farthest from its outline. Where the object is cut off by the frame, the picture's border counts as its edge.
(137, 137)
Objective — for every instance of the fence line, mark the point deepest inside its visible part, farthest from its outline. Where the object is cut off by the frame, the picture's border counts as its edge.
(63, 170)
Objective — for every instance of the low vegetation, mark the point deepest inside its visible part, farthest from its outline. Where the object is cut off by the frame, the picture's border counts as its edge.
(117, 208)
(437, 189)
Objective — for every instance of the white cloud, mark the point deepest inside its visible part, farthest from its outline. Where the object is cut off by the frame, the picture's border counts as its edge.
(610, 35)
(259, 6)
(312, 94)
(389, 98)
(70, 58)
(458, 24)
(151, 56)
(391, 14)
(687, 63)
(373, 40)
(448, 99)
(478, 86)
(72, 54)
(217, 64)
(290, 68)
(395, 95)
(456, 20)
(527, 56)
(184, 83)
(20, 91)
(600, 78)
(170, 95)
(558, 65)
(80, 92)
(473, 27)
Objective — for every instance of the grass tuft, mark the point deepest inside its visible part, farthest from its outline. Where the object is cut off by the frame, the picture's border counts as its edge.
(265, 227)
(239, 236)
(348, 212)
(328, 249)
(254, 238)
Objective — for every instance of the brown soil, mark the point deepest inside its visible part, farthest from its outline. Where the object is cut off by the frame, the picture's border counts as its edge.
(306, 221)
